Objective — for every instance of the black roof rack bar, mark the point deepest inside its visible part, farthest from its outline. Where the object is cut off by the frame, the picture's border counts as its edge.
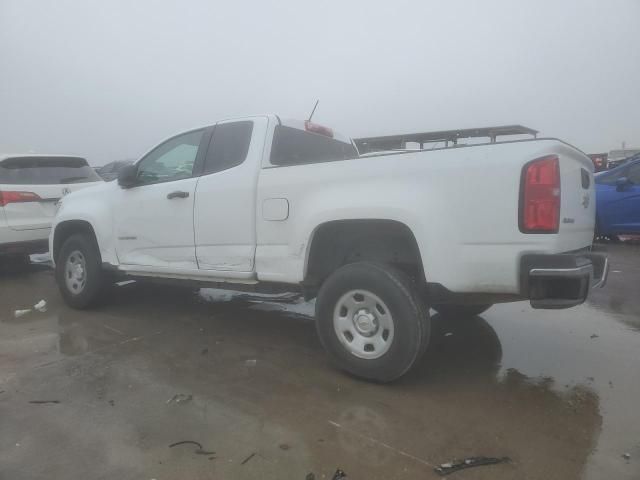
(393, 142)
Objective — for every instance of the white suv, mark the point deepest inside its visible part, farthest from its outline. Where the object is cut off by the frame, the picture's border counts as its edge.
(30, 187)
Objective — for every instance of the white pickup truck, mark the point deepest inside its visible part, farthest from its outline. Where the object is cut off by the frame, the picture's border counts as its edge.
(269, 205)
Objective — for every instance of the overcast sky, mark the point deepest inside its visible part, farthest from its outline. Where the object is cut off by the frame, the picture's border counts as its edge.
(109, 79)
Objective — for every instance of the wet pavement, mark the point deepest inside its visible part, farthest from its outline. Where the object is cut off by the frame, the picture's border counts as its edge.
(556, 391)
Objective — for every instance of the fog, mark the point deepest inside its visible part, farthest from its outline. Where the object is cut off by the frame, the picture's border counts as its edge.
(109, 79)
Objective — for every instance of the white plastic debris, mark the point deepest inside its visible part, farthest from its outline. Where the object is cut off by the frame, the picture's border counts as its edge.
(626, 456)
(21, 313)
(448, 334)
(41, 306)
(250, 363)
(180, 398)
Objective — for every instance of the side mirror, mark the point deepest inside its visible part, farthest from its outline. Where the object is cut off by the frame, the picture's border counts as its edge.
(622, 183)
(128, 176)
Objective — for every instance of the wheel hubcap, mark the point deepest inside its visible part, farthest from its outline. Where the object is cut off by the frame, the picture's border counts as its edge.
(75, 272)
(363, 324)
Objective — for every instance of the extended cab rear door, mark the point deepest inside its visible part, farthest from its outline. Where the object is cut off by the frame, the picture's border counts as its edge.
(30, 187)
(225, 203)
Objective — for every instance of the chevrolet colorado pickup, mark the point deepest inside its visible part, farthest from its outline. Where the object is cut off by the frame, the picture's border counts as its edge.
(269, 205)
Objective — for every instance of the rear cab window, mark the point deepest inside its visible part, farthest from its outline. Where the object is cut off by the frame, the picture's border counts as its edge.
(293, 146)
(41, 170)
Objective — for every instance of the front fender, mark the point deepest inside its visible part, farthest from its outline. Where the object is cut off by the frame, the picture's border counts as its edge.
(93, 207)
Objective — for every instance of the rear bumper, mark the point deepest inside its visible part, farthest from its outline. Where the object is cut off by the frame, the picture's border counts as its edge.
(561, 280)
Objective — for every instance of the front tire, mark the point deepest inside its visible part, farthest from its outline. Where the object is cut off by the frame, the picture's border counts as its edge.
(371, 321)
(79, 273)
(461, 311)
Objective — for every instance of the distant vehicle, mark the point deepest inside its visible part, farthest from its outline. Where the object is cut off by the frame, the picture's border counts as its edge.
(267, 204)
(110, 171)
(30, 188)
(618, 201)
(599, 161)
(618, 157)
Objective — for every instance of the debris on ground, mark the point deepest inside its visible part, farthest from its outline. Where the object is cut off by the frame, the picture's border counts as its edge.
(199, 451)
(250, 363)
(180, 398)
(43, 402)
(112, 403)
(284, 446)
(21, 313)
(594, 336)
(448, 334)
(310, 476)
(450, 467)
(248, 458)
(41, 306)
(339, 475)
(626, 456)
(610, 384)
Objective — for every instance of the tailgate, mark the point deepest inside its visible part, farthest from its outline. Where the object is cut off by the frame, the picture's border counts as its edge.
(32, 207)
(578, 201)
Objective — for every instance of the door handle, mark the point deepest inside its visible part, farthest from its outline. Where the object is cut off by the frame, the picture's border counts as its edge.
(177, 194)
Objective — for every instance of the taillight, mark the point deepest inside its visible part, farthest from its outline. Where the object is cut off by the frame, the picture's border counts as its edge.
(16, 197)
(540, 196)
(320, 129)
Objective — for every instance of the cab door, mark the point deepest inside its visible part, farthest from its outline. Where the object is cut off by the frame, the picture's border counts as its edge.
(225, 204)
(154, 219)
(619, 204)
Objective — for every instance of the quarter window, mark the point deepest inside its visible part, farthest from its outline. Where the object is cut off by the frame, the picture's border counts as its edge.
(229, 146)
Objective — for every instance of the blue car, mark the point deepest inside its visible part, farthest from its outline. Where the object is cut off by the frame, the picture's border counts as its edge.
(618, 201)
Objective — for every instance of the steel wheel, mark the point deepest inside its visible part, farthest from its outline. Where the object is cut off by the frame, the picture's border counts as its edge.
(75, 272)
(363, 324)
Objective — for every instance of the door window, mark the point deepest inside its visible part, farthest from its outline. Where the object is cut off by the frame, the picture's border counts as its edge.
(611, 178)
(229, 146)
(171, 160)
(633, 174)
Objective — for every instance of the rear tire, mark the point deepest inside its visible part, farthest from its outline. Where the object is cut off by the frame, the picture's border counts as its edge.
(79, 274)
(461, 311)
(372, 321)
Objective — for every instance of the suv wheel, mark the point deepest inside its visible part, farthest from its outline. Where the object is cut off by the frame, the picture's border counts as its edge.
(79, 273)
(371, 321)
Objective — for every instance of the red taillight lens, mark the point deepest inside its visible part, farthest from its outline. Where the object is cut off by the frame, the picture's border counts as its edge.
(540, 196)
(315, 128)
(15, 197)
